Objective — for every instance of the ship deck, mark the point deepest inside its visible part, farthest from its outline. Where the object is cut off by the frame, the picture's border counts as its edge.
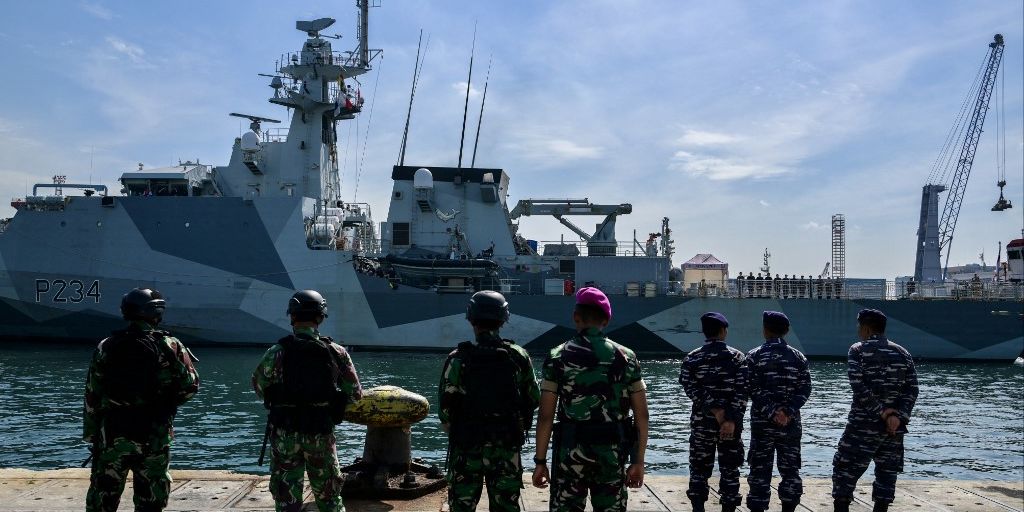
(64, 490)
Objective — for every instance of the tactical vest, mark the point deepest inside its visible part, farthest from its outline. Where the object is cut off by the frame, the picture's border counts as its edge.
(133, 362)
(492, 410)
(307, 400)
(570, 432)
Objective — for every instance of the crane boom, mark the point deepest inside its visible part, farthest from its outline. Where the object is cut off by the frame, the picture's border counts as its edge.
(934, 237)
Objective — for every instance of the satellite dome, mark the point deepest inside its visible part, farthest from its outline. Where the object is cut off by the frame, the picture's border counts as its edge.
(423, 178)
(250, 141)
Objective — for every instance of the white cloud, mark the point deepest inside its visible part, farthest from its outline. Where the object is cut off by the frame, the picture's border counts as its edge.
(764, 203)
(811, 226)
(134, 52)
(460, 87)
(703, 138)
(96, 10)
(722, 168)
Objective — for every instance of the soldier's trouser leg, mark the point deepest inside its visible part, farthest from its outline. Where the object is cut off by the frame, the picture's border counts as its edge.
(320, 453)
(595, 468)
(465, 479)
(856, 448)
(788, 446)
(287, 465)
(730, 458)
(148, 463)
(888, 464)
(503, 472)
(702, 462)
(761, 459)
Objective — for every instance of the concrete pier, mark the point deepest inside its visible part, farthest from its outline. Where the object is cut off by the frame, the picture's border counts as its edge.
(64, 490)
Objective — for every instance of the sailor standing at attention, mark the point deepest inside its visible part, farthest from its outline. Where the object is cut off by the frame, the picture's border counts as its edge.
(593, 383)
(305, 381)
(488, 396)
(884, 384)
(778, 385)
(713, 378)
(138, 378)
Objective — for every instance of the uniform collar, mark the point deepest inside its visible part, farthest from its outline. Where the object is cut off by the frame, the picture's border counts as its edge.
(775, 341)
(310, 332)
(142, 325)
(714, 341)
(877, 338)
(488, 338)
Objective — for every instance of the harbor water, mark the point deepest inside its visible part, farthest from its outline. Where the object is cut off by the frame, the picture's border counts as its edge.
(968, 423)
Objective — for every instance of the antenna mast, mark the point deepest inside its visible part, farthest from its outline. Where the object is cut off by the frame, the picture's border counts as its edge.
(465, 109)
(363, 29)
(480, 120)
(412, 95)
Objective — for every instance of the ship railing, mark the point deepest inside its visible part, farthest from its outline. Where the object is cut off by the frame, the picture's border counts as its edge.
(275, 134)
(340, 58)
(621, 249)
(800, 289)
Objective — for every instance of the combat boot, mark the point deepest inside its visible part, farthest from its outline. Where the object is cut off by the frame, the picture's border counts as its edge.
(728, 508)
(697, 506)
(789, 506)
(880, 506)
(841, 506)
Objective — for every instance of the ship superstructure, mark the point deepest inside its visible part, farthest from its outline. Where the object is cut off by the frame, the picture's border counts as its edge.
(229, 244)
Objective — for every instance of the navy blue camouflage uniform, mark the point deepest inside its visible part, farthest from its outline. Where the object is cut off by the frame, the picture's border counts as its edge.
(777, 377)
(882, 376)
(713, 377)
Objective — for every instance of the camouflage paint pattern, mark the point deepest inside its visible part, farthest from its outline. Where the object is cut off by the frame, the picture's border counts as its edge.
(294, 454)
(777, 378)
(713, 377)
(882, 375)
(593, 378)
(148, 458)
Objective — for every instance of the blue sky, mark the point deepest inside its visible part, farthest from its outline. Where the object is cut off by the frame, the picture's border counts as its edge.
(747, 123)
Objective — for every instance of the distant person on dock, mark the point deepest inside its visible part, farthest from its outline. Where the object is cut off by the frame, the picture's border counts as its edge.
(713, 378)
(594, 384)
(778, 385)
(305, 381)
(884, 384)
(138, 378)
(488, 396)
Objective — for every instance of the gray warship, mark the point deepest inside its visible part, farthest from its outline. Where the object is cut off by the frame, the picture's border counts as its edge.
(229, 244)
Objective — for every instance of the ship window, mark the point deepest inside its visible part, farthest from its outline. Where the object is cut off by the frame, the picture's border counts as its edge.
(566, 266)
(398, 194)
(400, 233)
(1013, 255)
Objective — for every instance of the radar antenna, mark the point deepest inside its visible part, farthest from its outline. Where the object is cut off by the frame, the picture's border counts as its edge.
(254, 121)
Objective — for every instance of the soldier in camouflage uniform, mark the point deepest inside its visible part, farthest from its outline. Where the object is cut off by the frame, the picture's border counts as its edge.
(713, 377)
(137, 379)
(884, 384)
(305, 381)
(778, 385)
(593, 383)
(488, 394)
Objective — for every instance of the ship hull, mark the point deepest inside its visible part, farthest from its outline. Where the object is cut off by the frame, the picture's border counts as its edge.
(228, 267)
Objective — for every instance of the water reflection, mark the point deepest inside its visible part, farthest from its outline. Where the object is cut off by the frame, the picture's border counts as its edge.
(968, 423)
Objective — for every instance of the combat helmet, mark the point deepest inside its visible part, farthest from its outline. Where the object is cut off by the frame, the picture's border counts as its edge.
(487, 305)
(143, 304)
(307, 303)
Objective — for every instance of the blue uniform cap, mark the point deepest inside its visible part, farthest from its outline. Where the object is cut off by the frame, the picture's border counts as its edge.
(713, 320)
(871, 314)
(775, 321)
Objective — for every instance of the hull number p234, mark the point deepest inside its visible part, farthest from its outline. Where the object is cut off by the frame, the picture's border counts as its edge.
(62, 291)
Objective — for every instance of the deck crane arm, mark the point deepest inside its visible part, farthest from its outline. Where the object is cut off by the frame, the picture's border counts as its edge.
(602, 242)
(935, 234)
(951, 210)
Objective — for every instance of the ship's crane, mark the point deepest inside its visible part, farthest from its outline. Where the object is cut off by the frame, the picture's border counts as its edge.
(935, 234)
(602, 242)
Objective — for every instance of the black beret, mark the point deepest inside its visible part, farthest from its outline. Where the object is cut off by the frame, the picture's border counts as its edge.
(713, 320)
(775, 321)
(868, 315)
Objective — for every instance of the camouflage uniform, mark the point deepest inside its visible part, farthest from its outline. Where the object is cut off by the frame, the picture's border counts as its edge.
(882, 376)
(593, 377)
(128, 430)
(713, 378)
(294, 453)
(478, 459)
(777, 377)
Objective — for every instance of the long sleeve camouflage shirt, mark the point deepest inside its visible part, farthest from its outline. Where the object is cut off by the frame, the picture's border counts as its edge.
(777, 377)
(452, 388)
(713, 377)
(270, 370)
(882, 375)
(178, 376)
